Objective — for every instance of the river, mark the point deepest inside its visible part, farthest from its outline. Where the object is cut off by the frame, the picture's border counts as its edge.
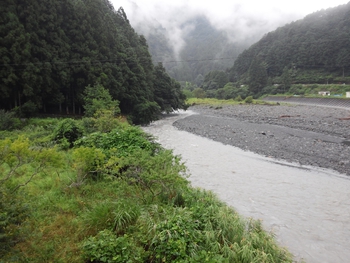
(308, 209)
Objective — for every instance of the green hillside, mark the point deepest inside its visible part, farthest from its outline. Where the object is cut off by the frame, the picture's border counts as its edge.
(51, 51)
(315, 49)
(301, 58)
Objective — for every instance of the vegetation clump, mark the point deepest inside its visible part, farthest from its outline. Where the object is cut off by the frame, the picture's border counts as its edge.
(301, 58)
(114, 196)
(67, 132)
(8, 120)
(93, 53)
(248, 99)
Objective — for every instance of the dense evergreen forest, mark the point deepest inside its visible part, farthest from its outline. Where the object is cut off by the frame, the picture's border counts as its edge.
(315, 49)
(303, 57)
(52, 50)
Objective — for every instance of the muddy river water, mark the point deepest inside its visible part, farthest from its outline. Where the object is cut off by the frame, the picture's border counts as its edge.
(308, 209)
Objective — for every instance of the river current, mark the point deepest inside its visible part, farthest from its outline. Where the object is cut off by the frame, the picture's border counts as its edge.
(306, 208)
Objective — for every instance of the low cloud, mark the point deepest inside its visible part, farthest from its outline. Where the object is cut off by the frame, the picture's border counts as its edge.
(246, 20)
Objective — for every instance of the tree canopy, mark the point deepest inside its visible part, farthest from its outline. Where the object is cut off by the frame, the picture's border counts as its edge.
(318, 43)
(51, 51)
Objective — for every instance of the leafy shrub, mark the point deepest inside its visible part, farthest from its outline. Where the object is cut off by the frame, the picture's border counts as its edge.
(176, 239)
(124, 140)
(97, 98)
(88, 123)
(105, 121)
(248, 99)
(68, 129)
(107, 247)
(238, 98)
(25, 161)
(162, 173)
(199, 93)
(188, 93)
(8, 120)
(88, 162)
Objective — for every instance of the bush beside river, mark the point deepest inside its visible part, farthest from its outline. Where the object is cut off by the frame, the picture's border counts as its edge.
(100, 190)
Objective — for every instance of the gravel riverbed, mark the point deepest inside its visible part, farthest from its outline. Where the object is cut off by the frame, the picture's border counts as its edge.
(308, 135)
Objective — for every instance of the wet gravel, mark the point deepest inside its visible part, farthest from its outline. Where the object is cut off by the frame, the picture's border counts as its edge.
(308, 135)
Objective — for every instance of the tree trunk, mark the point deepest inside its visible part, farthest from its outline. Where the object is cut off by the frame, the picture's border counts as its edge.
(73, 103)
(67, 108)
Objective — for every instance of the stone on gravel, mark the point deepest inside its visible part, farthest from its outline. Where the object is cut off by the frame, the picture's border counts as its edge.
(309, 135)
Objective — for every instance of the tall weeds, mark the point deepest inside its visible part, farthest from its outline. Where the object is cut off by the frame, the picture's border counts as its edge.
(116, 197)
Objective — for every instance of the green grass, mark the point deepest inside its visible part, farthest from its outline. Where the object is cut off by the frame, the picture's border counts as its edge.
(140, 207)
(211, 101)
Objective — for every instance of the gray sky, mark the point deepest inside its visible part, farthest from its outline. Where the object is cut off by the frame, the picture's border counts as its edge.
(241, 19)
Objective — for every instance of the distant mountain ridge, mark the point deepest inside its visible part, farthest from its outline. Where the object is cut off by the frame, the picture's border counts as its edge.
(205, 49)
(319, 43)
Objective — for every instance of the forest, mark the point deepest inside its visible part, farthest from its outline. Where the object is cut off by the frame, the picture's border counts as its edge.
(302, 57)
(320, 41)
(78, 182)
(52, 50)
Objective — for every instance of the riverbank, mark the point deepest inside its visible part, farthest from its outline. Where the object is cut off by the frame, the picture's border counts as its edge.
(308, 135)
(314, 101)
(115, 196)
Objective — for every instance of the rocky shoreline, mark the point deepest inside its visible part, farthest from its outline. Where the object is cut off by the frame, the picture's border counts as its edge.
(308, 135)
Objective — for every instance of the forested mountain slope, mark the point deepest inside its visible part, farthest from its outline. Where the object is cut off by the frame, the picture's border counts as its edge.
(205, 48)
(51, 50)
(315, 49)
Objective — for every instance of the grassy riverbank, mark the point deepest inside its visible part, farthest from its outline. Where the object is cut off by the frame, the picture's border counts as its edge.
(99, 190)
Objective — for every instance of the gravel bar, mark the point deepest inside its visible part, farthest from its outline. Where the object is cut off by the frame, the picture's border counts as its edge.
(308, 135)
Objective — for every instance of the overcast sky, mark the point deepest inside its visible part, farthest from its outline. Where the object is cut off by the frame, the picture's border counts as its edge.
(241, 19)
(223, 10)
(229, 7)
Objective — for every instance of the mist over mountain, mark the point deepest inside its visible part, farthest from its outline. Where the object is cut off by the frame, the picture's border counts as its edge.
(205, 48)
(201, 48)
(192, 38)
(292, 59)
(191, 42)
